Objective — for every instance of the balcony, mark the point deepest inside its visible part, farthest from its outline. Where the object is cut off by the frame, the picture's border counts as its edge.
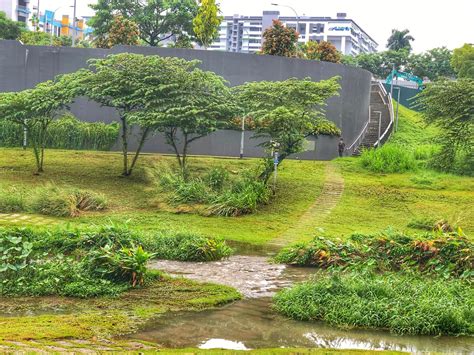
(23, 10)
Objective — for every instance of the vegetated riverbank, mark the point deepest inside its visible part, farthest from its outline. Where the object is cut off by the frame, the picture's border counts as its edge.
(405, 284)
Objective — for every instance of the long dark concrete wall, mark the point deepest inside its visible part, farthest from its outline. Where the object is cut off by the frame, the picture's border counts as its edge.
(24, 66)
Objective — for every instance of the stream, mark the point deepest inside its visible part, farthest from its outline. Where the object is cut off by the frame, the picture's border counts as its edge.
(251, 323)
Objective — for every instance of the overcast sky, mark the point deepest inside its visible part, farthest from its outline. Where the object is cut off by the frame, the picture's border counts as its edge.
(433, 23)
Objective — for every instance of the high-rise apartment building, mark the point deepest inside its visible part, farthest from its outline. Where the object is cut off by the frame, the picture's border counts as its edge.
(18, 10)
(244, 33)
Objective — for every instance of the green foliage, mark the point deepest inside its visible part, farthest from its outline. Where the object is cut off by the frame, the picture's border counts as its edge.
(433, 64)
(400, 40)
(286, 111)
(157, 20)
(462, 61)
(381, 63)
(388, 159)
(216, 178)
(38, 38)
(185, 103)
(206, 23)
(182, 41)
(10, 29)
(323, 51)
(126, 263)
(186, 246)
(445, 254)
(14, 254)
(122, 32)
(280, 40)
(66, 132)
(455, 122)
(442, 307)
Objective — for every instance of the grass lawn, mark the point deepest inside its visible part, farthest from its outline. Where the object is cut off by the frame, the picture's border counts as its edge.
(370, 201)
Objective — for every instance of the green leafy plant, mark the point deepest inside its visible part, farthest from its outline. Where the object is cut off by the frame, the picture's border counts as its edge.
(186, 246)
(126, 263)
(403, 304)
(447, 254)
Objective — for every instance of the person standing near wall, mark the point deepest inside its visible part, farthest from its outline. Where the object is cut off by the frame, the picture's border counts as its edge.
(341, 147)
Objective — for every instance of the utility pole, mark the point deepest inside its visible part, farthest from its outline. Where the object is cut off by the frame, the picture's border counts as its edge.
(74, 33)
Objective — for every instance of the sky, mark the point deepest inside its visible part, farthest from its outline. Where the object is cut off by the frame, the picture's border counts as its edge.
(433, 23)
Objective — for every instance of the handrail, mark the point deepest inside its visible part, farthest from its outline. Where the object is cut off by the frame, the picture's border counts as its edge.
(363, 131)
(390, 112)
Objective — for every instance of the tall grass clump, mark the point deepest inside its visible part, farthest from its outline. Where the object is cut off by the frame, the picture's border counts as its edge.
(388, 159)
(11, 201)
(186, 246)
(63, 202)
(65, 133)
(217, 194)
(244, 198)
(403, 304)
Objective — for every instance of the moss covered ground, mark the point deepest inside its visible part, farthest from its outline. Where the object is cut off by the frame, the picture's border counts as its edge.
(67, 318)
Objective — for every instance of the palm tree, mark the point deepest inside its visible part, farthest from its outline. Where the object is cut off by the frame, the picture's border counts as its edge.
(400, 40)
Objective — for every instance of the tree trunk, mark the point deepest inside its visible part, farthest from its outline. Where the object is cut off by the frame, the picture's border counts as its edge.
(171, 137)
(269, 167)
(145, 133)
(124, 145)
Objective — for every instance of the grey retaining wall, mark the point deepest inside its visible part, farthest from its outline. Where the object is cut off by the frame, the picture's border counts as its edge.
(24, 66)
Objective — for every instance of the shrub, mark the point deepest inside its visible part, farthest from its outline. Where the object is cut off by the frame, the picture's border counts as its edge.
(442, 307)
(125, 264)
(388, 159)
(446, 254)
(186, 247)
(243, 198)
(424, 223)
(60, 202)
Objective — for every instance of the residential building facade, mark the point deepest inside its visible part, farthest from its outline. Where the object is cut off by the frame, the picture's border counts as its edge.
(18, 10)
(245, 33)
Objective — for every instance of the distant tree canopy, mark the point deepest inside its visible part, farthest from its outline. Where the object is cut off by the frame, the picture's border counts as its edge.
(10, 29)
(462, 61)
(399, 40)
(157, 20)
(122, 31)
(206, 23)
(324, 51)
(433, 64)
(280, 40)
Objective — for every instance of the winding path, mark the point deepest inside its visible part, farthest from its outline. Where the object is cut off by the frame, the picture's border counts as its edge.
(331, 193)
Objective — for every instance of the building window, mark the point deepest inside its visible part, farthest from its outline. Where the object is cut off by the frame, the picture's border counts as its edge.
(316, 28)
(302, 29)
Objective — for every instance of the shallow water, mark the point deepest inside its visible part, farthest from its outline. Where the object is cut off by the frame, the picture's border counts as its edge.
(251, 323)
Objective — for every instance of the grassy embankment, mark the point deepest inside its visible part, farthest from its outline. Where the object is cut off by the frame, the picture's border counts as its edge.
(370, 202)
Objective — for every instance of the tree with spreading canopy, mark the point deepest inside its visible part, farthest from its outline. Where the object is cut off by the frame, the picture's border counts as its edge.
(449, 105)
(157, 20)
(280, 40)
(185, 104)
(287, 112)
(36, 108)
(206, 23)
(433, 64)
